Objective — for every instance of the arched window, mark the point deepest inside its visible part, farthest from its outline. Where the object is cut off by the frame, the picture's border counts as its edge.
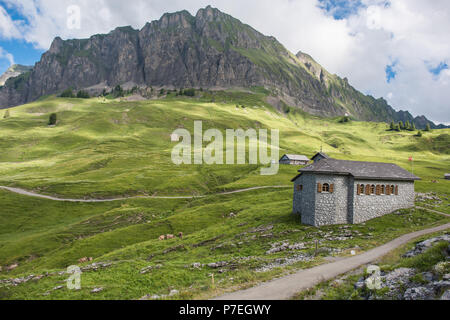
(383, 189)
(326, 187)
(361, 189)
(372, 189)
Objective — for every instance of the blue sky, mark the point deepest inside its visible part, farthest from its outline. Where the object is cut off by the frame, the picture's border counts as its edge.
(341, 9)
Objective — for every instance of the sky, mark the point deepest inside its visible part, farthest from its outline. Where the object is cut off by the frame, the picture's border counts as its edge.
(398, 49)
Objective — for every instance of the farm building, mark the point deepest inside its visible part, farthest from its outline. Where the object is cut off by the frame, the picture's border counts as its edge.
(334, 191)
(447, 176)
(294, 159)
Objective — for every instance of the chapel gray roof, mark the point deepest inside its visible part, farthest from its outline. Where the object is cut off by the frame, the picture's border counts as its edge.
(361, 170)
(324, 155)
(298, 157)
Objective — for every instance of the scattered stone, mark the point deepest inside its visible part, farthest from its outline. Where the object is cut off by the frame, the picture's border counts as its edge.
(57, 288)
(261, 229)
(419, 293)
(285, 262)
(424, 245)
(284, 245)
(216, 265)
(150, 268)
(12, 267)
(173, 293)
(446, 295)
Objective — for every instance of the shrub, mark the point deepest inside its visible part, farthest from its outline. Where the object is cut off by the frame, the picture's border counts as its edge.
(419, 134)
(118, 92)
(392, 127)
(68, 93)
(6, 115)
(428, 127)
(83, 95)
(52, 119)
(344, 119)
(189, 92)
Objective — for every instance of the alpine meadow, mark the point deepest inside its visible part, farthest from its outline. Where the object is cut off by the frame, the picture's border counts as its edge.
(87, 177)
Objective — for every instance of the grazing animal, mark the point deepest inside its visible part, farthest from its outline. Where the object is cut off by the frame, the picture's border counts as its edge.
(232, 215)
(83, 260)
(170, 236)
(180, 235)
(162, 238)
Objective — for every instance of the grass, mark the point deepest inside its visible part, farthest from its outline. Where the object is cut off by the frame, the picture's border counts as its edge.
(105, 148)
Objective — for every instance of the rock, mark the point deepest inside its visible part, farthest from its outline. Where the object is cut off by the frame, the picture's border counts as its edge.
(216, 265)
(428, 276)
(173, 293)
(58, 288)
(150, 268)
(446, 295)
(97, 290)
(425, 245)
(12, 267)
(360, 284)
(419, 293)
(196, 265)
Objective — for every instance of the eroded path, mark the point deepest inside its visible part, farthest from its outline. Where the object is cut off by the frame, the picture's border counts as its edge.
(42, 196)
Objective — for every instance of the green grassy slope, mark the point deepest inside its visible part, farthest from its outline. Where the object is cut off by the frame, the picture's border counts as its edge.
(114, 148)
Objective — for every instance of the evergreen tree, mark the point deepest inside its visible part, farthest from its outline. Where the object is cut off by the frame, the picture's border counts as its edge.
(407, 125)
(413, 128)
(392, 127)
(6, 114)
(83, 95)
(67, 94)
(52, 119)
(428, 128)
(419, 134)
(401, 125)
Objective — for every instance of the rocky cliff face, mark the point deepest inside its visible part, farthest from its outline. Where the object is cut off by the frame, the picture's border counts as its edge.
(210, 50)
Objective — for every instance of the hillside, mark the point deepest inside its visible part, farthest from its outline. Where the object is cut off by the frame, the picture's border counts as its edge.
(112, 147)
(13, 71)
(209, 50)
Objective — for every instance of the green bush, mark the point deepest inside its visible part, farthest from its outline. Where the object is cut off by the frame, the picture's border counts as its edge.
(6, 115)
(344, 119)
(52, 119)
(83, 95)
(419, 134)
(68, 93)
(189, 92)
(118, 92)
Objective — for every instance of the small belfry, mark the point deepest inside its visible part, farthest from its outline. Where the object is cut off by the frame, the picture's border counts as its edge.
(332, 191)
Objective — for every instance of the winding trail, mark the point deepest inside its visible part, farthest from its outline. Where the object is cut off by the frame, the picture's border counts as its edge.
(42, 196)
(286, 287)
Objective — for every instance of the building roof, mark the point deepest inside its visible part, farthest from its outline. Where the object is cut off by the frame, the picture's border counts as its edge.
(298, 157)
(360, 170)
(447, 175)
(324, 155)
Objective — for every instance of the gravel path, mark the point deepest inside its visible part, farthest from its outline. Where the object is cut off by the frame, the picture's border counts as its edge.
(286, 287)
(37, 195)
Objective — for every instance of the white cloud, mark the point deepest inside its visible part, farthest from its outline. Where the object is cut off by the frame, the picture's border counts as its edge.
(413, 33)
(6, 55)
